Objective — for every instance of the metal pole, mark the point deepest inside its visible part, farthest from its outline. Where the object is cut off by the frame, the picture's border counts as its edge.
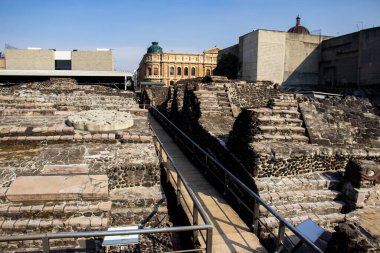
(280, 236)
(256, 213)
(45, 245)
(209, 241)
(225, 184)
(178, 190)
(195, 222)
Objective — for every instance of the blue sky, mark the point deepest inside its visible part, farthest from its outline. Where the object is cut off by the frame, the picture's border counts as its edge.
(129, 26)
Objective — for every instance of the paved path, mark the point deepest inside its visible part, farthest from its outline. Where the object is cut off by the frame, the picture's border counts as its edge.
(230, 233)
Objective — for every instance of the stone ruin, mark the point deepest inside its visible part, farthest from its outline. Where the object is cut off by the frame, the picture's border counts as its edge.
(58, 178)
(297, 149)
(100, 120)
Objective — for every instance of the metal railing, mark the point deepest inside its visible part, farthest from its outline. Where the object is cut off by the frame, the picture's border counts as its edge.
(177, 180)
(228, 180)
(64, 235)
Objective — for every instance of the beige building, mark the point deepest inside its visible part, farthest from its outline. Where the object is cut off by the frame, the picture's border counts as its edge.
(49, 59)
(288, 58)
(157, 67)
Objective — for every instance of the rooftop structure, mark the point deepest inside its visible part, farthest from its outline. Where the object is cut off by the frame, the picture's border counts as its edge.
(298, 28)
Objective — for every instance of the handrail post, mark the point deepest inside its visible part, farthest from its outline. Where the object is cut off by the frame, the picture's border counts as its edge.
(256, 213)
(209, 241)
(45, 245)
(280, 236)
(178, 190)
(225, 184)
(195, 222)
(167, 172)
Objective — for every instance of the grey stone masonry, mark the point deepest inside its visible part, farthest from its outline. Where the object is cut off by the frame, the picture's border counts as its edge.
(297, 198)
(341, 122)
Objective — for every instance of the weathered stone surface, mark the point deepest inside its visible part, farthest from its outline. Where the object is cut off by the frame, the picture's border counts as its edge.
(363, 173)
(359, 233)
(65, 169)
(341, 122)
(101, 120)
(38, 188)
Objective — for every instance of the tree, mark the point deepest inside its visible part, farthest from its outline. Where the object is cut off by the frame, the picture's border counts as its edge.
(228, 66)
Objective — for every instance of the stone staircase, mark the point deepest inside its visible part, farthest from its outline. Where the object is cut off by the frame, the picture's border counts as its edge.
(213, 102)
(297, 198)
(281, 121)
(64, 198)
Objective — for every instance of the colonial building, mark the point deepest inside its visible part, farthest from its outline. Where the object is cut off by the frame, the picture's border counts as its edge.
(159, 68)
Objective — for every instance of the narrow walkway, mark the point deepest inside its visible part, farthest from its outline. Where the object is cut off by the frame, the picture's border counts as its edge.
(230, 233)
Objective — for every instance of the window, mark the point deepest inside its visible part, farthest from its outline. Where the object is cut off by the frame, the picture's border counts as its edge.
(186, 71)
(171, 71)
(155, 71)
(149, 71)
(179, 71)
(61, 64)
(192, 71)
(171, 83)
(208, 72)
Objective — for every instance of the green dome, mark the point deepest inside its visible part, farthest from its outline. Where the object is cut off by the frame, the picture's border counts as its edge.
(154, 48)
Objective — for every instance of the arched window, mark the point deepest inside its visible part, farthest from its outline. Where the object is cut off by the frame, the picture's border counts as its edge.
(149, 71)
(171, 83)
(208, 72)
(186, 71)
(171, 71)
(155, 71)
(179, 71)
(192, 71)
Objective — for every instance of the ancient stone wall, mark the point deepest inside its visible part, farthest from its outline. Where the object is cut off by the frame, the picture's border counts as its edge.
(156, 96)
(34, 136)
(341, 122)
(338, 130)
(251, 95)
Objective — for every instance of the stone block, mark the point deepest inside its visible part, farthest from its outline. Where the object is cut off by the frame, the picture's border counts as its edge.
(14, 209)
(53, 188)
(105, 206)
(21, 224)
(70, 209)
(96, 222)
(55, 169)
(45, 223)
(4, 208)
(34, 223)
(145, 138)
(8, 225)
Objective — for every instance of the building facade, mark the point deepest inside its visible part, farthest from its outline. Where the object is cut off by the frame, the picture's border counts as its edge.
(351, 60)
(50, 59)
(157, 67)
(287, 58)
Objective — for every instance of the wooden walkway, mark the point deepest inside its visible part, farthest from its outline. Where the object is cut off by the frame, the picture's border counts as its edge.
(230, 233)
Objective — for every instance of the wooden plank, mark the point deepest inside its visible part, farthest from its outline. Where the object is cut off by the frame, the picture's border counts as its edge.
(230, 233)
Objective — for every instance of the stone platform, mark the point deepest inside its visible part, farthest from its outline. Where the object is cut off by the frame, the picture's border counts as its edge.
(46, 188)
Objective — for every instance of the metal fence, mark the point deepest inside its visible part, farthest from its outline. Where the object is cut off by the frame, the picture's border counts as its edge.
(234, 186)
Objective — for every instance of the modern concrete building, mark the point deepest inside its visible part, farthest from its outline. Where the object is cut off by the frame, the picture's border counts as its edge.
(157, 67)
(299, 59)
(288, 58)
(36, 64)
(351, 60)
(49, 59)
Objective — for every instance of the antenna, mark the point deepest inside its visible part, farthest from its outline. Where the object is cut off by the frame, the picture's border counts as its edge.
(362, 25)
